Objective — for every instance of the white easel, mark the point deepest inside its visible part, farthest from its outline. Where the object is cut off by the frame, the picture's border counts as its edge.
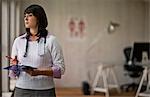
(146, 73)
(104, 72)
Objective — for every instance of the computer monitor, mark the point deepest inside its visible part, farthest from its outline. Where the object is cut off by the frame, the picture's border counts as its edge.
(138, 49)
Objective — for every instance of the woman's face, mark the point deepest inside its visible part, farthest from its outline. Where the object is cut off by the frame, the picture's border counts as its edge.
(30, 21)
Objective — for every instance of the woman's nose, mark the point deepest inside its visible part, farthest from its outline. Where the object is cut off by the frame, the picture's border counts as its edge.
(26, 18)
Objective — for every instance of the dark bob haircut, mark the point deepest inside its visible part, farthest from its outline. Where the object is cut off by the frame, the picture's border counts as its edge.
(40, 14)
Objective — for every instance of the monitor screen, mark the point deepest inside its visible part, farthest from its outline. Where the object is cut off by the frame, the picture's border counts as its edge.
(138, 49)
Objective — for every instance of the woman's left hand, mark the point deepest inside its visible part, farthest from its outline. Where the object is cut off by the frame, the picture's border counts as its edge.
(32, 72)
(40, 71)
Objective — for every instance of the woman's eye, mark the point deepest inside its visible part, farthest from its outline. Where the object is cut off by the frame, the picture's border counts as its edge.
(30, 15)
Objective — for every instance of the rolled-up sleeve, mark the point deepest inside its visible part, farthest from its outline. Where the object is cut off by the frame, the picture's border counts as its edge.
(57, 59)
(56, 71)
(12, 74)
(14, 53)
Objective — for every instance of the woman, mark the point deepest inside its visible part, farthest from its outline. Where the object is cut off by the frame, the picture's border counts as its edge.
(38, 49)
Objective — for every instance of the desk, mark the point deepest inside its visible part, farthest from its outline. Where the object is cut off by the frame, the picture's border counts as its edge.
(146, 73)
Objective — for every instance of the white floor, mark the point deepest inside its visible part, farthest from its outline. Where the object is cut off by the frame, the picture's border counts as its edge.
(8, 94)
(12, 85)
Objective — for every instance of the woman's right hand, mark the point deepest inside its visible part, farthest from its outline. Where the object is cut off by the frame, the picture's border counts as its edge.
(14, 61)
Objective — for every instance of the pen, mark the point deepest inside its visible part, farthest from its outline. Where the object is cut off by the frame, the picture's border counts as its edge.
(13, 61)
(9, 57)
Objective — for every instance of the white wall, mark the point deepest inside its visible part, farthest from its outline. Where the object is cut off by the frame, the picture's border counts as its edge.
(83, 55)
(10, 27)
(148, 12)
(0, 47)
(5, 42)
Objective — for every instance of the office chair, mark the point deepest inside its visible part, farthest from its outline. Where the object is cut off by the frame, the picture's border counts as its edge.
(133, 70)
